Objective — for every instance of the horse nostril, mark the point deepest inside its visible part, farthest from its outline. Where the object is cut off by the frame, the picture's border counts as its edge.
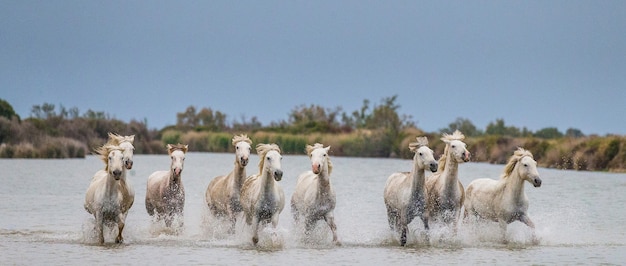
(537, 182)
(278, 173)
(433, 167)
(117, 172)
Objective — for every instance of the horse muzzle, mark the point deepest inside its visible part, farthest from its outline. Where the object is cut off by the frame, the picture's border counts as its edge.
(433, 167)
(537, 182)
(316, 168)
(466, 156)
(117, 174)
(128, 164)
(243, 161)
(278, 175)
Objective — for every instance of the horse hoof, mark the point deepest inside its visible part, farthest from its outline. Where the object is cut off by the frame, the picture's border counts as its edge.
(337, 243)
(255, 240)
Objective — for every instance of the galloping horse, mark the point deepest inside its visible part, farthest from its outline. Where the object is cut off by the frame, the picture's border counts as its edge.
(262, 198)
(109, 196)
(445, 191)
(165, 194)
(314, 197)
(223, 193)
(405, 194)
(504, 200)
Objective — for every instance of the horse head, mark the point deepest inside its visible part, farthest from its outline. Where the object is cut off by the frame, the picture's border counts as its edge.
(424, 156)
(527, 170)
(128, 151)
(242, 149)
(114, 159)
(271, 160)
(177, 154)
(455, 147)
(319, 157)
(126, 143)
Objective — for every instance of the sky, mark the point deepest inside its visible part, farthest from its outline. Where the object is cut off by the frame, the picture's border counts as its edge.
(535, 64)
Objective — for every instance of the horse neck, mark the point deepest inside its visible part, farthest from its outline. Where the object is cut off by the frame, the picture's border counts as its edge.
(112, 184)
(324, 178)
(513, 185)
(417, 176)
(239, 174)
(174, 181)
(267, 182)
(451, 171)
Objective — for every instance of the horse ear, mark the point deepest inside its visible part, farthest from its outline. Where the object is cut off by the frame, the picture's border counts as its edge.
(185, 148)
(327, 148)
(132, 138)
(445, 140)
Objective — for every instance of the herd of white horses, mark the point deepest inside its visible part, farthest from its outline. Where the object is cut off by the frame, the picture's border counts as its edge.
(438, 197)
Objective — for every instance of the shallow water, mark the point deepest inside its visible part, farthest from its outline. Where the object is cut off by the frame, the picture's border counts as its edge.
(579, 217)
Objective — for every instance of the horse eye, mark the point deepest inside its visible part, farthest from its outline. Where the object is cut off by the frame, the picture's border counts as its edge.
(268, 158)
(453, 146)
(236, 148)
(525, 165)
(421, 154)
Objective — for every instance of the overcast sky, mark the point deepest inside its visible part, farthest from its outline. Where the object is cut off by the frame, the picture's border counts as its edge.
(535, 64)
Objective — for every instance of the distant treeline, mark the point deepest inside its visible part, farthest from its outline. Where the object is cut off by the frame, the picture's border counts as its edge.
(371, 131)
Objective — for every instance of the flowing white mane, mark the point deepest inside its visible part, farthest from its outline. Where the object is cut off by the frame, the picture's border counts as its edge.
(115, 139)
(171, 148)
(421, 142)
(240, 138)
(517, 156)
(104, 151)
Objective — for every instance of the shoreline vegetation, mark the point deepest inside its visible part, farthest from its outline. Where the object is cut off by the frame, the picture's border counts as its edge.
(372, 131)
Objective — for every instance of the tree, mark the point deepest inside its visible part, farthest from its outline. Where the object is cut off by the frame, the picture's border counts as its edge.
(6, 110)
(574, 133)
(314, 118)
(464, 125)
(499, 128)
(548, 133)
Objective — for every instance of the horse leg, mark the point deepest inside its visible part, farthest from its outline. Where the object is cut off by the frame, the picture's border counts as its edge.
(120, 227)
(255, 231)
(404, 227)
(503, 225)
(426, 228)
(99, 226)
(330, 219)
(526, 220)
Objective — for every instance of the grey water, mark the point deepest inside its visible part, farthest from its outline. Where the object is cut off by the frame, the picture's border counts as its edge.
(580, 219)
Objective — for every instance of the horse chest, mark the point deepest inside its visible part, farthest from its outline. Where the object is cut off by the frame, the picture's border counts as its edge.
(267, 208)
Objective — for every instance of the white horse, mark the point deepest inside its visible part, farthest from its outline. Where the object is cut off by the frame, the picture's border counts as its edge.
(405, 194)
(504, 200)
(165, 194)
(314, 197)
(223, 193)
(445, 191)
(262, 198)
(109, 196)
(126, 143)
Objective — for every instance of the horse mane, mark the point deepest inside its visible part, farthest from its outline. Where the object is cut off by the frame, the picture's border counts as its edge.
(171, 148)
(115, 139)
(240, 138)
(421, 142)
(104, 151)
(311, 148)
(262, 150)
(515, 158)
(457, 135)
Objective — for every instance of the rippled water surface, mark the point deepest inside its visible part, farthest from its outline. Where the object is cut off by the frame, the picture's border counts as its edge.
(580, 218)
